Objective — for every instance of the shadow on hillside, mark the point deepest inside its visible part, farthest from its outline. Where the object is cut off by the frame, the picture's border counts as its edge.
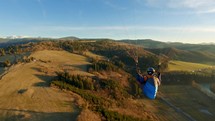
(26, 115)
(46, 80)
(83, 67)
(36, 69)
(21, 91)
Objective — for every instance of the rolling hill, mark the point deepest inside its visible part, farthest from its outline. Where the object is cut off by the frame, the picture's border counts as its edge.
(69, 38)
(147, 43)
(186, 55)
(197, 53)
(25, 92)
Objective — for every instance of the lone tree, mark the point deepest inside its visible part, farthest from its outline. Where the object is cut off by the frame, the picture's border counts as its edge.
(2, 52)
(7, 63)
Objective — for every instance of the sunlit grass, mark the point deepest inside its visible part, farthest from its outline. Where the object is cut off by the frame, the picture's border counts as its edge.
(186, 66)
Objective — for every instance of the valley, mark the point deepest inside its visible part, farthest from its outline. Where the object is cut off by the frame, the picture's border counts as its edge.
(33, 88)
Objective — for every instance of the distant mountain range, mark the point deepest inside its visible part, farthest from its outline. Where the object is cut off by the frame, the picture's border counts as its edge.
(16, 37)
(69, 38)
(4, 42)
(12, 39)
(200, 53)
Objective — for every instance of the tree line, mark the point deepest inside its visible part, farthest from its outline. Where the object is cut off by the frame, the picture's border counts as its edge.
(81, 82)
(186, 78)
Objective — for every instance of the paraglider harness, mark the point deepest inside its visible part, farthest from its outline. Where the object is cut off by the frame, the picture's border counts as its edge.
(149, 83)
(148, 78)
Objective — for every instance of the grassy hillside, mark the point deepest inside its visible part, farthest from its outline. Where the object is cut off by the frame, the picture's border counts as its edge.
(147, 43)
(25, 92)
(63, 60)
(186, 66)
(194, 47)
(185, 55)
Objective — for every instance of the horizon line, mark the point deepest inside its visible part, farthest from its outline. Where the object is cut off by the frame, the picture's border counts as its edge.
(48, 37)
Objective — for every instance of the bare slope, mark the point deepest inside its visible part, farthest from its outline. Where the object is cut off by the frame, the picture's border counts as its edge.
(61, 60)
(25, 94)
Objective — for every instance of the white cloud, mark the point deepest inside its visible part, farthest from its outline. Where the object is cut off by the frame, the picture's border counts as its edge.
(198, 6)
(114, 6)
(206, 11)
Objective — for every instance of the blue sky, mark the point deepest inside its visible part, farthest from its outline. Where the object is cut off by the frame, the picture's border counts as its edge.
(189, 21)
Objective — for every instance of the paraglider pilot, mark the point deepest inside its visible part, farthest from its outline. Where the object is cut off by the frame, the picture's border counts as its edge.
(150, 82)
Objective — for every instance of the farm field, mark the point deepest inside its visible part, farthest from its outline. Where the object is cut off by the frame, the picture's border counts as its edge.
(186, 66)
